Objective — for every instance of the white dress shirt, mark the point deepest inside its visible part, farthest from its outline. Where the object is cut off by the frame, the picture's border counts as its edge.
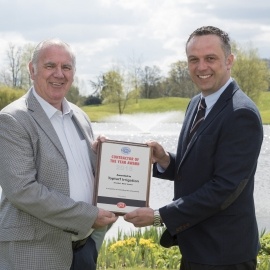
(81, 178)
(212, 99)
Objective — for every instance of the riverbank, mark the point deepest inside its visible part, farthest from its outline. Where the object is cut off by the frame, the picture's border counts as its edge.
(98, 113)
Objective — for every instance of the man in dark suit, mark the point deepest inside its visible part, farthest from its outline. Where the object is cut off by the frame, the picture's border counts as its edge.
(212, 217)
(47, 167)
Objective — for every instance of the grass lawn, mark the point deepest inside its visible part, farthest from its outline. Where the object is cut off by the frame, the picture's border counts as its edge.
(99, 112)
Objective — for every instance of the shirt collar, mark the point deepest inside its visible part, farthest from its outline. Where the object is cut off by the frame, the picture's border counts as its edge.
(212, 99)
(49, 109)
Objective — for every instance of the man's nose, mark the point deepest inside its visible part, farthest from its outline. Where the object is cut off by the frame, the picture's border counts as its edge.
(202, 65)
(58, 72)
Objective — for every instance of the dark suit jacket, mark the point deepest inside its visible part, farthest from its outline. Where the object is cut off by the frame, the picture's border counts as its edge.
(213, 213)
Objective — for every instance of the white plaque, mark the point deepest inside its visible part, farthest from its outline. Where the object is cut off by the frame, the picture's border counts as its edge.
(123, 176)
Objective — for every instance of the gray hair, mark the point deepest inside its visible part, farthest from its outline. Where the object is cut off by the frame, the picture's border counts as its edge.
(211, 30)
(51, 42)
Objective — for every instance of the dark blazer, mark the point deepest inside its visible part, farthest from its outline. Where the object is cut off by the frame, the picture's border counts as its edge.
(213, 213)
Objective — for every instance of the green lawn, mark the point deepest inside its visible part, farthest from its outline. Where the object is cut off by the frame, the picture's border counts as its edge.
(99, 112)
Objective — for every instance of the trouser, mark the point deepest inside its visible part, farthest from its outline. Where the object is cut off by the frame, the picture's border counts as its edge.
(250, 265)
(85, 257)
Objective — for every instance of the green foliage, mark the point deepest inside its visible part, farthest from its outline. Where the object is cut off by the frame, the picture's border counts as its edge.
(179, 81)
(7, 95)
(73, 95)
(250, 72)
(141, 250)
(264, 253)
(113, 89)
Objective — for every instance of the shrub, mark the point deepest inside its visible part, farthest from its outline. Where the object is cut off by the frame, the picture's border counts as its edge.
(7, 95)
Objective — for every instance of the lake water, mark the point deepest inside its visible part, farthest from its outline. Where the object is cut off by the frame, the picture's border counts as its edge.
(165, 128)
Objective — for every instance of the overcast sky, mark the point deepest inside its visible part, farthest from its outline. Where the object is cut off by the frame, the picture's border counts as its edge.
(154, 32)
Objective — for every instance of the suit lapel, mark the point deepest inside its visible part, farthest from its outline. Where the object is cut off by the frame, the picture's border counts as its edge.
(43, 121)
(78, 119)
(215, 111)
(192, 110)
(183, 137)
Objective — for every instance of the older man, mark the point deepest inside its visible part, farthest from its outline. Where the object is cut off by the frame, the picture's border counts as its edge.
(47, 166)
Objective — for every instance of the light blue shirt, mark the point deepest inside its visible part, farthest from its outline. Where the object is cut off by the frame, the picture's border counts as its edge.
(212, 99)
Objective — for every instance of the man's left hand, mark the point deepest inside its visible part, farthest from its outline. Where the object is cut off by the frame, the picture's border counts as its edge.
(140, 217)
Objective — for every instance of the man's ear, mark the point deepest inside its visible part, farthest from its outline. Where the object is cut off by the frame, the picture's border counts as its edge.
(31, 69)
(229, 61)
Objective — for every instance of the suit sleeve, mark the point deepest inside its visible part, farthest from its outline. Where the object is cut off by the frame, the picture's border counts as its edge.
(169, 173)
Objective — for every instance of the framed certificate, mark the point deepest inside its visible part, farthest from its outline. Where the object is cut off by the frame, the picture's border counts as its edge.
(123, 176)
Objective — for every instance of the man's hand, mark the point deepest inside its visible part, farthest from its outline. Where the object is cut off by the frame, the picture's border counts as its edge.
(159, 154)
(100, 138)
(140, 217)
(104, 218)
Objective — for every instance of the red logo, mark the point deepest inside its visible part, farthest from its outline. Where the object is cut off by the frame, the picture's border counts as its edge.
(121, 205)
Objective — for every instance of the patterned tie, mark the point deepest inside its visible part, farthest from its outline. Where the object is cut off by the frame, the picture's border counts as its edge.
(198, 118)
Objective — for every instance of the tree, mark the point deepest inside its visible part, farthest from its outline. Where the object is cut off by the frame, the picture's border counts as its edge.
(267, 61)
(11, 75)
(250, 72)
(151, 82)
(73, 95)
(179, 81)
(112, 91)
(25, 80)
(118, 85)
(134, 71)
(16, 73)
(98, 85)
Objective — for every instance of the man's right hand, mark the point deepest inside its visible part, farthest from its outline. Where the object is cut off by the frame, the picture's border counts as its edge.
(104, 218)
(159, 154)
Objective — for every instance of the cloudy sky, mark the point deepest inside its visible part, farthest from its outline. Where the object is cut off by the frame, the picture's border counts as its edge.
(152, 32)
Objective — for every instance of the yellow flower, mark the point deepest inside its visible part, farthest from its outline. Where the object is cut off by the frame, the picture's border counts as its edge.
(131, 241)
(117, 245)
(146, 243)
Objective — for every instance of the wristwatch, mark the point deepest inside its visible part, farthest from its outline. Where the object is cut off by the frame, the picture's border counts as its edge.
(157, 219)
